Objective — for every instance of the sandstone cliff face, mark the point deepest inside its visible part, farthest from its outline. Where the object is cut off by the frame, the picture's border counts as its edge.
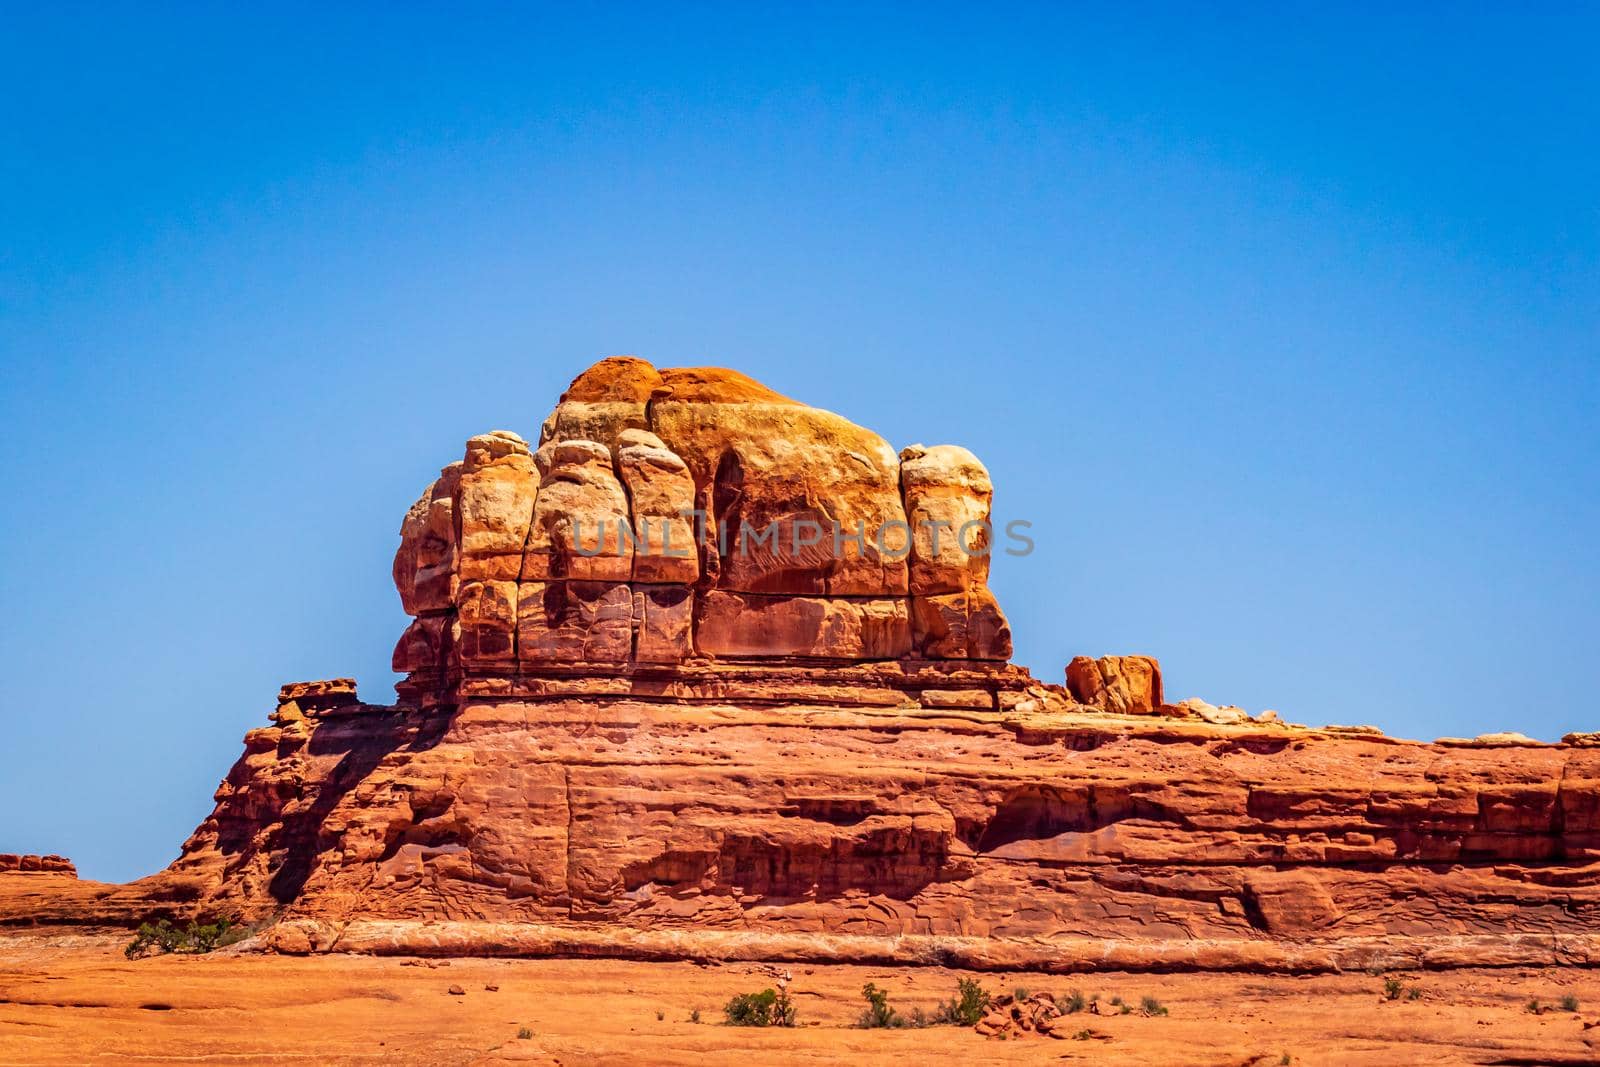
(606, 745)
(1046, 835)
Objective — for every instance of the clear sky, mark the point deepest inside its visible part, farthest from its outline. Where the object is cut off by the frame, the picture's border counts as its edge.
(1282, 327)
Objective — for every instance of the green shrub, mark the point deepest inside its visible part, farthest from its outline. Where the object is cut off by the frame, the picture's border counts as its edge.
(1391, 989)
(524, 1034)
(1071, 1005)
(1569, 1003)
(1535, 1007)
(967, 1007)
(1020, 993)
(769, 1007)
(879, 1016)
(1414, 992)
(163, 937)
(1152, 1006)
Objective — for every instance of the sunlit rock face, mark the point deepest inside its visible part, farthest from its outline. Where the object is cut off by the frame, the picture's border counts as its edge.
(626, 730)
(692, 516)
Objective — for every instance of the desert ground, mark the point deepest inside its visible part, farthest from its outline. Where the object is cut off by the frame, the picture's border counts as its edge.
(70, 996)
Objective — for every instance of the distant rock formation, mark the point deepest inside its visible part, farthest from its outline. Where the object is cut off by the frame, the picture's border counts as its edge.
(10, 862)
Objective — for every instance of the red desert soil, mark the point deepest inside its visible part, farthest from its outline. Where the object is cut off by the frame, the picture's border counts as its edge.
(71, 997)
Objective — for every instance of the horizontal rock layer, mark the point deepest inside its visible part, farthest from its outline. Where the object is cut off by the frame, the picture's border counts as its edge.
(11, 862)
(1028, 832)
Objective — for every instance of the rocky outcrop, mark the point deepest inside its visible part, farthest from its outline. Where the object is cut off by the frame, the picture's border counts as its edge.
(1128, 685)
(10, 862)
(815, 748)
(690, 516)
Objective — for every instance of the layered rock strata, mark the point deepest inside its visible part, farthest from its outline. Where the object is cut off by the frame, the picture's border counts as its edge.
(622, 733)
(26, 864)
(1044, 835)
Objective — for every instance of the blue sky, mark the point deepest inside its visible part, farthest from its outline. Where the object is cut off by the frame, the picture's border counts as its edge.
(1281, 326)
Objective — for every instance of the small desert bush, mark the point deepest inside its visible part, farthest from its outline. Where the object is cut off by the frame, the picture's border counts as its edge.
(967, 1007)
(1391, 989)
(879, 1016)
(1152, 1006)
(1569, 1003)
(770, 1007)
(1071, 1005)
(163, 937)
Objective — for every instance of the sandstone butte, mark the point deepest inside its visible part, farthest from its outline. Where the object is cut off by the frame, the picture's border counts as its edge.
(608, 748)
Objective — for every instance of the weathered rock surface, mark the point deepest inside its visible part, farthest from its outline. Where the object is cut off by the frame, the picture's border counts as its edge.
(723, 520)
(11, 862)
(1051, 836)
(1129, 685)
(817, 750)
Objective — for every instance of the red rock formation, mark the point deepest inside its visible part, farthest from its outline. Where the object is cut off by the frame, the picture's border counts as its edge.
(609, 748)
(1127, 684)
(12, 863)
(685, 517)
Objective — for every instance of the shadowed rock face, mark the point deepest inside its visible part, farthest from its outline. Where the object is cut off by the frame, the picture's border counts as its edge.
(608, 748)
(684, 515)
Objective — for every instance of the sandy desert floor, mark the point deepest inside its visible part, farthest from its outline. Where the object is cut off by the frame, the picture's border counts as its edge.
(71, 997)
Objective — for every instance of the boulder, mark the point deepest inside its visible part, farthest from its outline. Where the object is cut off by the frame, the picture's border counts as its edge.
(1226, 715)
(1127, 685)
